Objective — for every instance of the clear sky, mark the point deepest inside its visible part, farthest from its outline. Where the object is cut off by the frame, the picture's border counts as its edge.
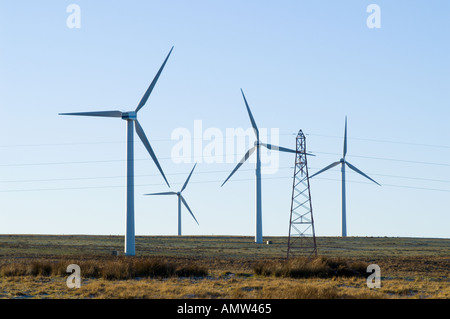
(302, 65)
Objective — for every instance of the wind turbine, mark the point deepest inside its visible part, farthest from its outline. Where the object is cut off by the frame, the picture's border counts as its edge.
(344, 162)
(132, 123)
(180, 199)
(257, 146)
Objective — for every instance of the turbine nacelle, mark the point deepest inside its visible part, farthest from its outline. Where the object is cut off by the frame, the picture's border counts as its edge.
(132, 115)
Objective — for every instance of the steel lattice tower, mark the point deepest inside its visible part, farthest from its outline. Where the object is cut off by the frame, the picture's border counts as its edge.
(302, 238)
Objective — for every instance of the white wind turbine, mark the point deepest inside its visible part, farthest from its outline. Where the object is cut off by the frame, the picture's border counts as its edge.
(180, 199)
(344, 162)
(257, 145)
(132, 122)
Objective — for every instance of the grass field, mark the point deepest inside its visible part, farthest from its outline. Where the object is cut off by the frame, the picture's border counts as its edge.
(33, 266)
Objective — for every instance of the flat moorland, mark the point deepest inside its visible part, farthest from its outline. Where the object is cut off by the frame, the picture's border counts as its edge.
(166, 267)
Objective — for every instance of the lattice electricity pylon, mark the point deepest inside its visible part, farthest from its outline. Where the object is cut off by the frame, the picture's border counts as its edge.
(302, 238)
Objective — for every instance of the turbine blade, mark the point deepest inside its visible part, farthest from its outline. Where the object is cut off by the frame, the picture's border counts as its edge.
(187, 180)
(282, 149)
(326, 168)
(141, 134)
(358, 171)
(163, 193)
(278, 148)
(152, 85)
(345, 139)
(99, 113)
(255, 128)
(185, 204)
(246, 156)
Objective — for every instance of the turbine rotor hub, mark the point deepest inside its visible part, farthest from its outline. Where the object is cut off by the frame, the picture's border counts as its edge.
(132, 115)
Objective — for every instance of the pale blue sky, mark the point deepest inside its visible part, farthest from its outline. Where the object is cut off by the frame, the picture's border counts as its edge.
(302, 64)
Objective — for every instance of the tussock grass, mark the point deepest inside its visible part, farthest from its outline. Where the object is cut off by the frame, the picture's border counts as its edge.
(34, 266)
(302, 267)
(113, 269)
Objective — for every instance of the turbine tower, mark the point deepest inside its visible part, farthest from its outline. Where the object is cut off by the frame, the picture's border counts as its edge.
(257, 146)
(344, 162)
(180, 199)
(132, 123)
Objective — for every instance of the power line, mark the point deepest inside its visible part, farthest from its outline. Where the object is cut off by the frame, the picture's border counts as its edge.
(123, 186)
(227, 137)
(62, 144)
(383, 141)
(208, 172)
(114, 142)
(199, 172)
(203, 157)
(388, 159)
(391, 185)
(213, 181)
(119, 176)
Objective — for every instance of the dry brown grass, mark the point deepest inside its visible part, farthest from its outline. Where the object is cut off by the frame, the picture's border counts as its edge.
(219, 288)
(213, 268)
(130, 278)
(319, 267)
(120, 268)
